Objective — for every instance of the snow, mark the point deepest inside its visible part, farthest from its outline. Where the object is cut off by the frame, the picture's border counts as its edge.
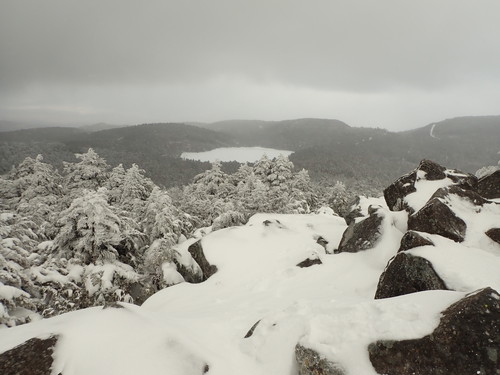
(328, 307)
(170, 274)
(432, 131)
(462, 268)
(8, 293)
(424, 190)
(239, 154)
(343, 332)
(479, 219)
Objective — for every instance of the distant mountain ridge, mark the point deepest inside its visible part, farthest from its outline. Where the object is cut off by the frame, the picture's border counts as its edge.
(330, 149)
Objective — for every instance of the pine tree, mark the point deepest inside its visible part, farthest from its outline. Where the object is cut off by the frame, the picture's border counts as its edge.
(90, 229)
(90, 173)
(281, 172)
(339, 198)
(262, 168)
(114, 185)
(161, 218)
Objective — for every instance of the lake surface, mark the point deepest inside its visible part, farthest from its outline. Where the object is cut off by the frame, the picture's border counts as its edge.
(239, 154)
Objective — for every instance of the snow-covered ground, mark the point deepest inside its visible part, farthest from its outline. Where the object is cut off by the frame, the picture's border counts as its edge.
(327, 307)
(239, 154)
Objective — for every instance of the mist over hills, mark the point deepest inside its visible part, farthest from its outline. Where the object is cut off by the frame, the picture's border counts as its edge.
(330, 149)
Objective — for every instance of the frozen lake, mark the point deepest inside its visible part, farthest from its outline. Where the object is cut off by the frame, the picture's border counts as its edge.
(239, 154)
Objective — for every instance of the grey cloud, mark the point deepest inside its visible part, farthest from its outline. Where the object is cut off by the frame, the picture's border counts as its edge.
(330, 44)
(68, 48)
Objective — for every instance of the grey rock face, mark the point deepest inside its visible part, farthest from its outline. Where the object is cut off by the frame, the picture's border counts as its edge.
(438, 218)
(407, 274)
(33, 357)
(494, 234)
(311, 363)
(395, 193)
(433, 170)
(362, 235)
(413, 239)
(309, 262)
(196, 251)
(469, 195)
(489, 186)
(467, 341)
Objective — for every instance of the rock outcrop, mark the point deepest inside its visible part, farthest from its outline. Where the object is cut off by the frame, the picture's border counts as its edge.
(407, 274)
(436, 217)
(467, 341)
(412, 239)
(33, 357)
(311, 363)
(494, 234)
(395, 193)
(196, 251)
(469, 195)
(489, 185)
(309, 262)
(362, 235)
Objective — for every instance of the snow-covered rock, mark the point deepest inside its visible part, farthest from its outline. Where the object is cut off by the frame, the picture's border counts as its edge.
(406, 274)
(489, 185)
(411, 191)
(363, 234)
(466, 341)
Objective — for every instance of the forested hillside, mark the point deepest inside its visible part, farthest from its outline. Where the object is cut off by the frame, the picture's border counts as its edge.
(329, 149)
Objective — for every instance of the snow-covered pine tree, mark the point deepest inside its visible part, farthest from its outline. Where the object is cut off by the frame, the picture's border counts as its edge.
(90, 229)
(17, 243)
(252, 195)
(39, 193)
(90, 173)
(207, 196)
(281, 172)
(303, 195)
(115, 183)
(262, 168)
(135, 185)
(339, 198)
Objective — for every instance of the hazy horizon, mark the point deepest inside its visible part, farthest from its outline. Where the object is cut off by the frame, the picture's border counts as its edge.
(391, 64)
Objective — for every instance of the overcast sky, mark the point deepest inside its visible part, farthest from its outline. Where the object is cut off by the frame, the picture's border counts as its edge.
(395, 64)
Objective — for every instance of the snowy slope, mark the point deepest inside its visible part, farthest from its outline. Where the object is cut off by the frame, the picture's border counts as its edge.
(328, 307)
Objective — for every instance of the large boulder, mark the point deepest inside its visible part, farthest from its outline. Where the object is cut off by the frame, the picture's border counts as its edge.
(311, 363)
(494, 234)
(360, 208)
(428, 170)
(457, 191)
(412, 239)
(436, 217)
(395, 193)
(407, 274)
(466, 341)
(433, 171)
(33, 357)
(489, 185)
(196, 251)
(362, 235)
